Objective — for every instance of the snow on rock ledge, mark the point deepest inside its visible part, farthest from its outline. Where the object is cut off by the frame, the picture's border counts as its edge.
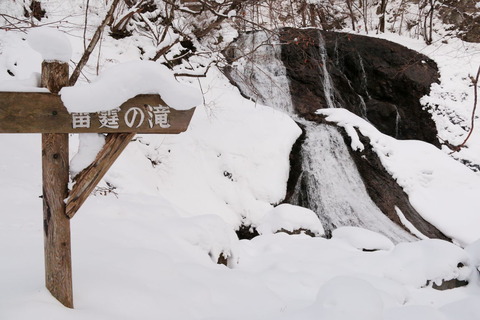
(291, 219)
(442, 190)
(124, 81)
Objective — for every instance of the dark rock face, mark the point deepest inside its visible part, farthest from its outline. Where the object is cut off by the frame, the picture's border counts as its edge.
(376, 79)
(385, 191)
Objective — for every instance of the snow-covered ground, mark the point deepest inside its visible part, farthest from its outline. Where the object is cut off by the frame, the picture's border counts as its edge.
(147, 248)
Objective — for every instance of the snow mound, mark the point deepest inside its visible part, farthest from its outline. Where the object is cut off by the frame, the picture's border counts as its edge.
(127, 80)
(52, 44)
(209, 233)
(427, 261)
(415, 313)
(232, 161)
(363, 239)
(346, 298)
(473, 250)
(287, 217)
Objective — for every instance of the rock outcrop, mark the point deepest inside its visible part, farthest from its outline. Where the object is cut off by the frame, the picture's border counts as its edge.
(376, 79)
(379, 81)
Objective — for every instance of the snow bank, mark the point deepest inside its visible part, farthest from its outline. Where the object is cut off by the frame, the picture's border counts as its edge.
(290, 218)
(210, 233)
(441, 189)
(464, 309)
(232, 161)
(415, 313)
(427, 261)
(150, 253)
(127, 80)
(473, 250)
(363, 239)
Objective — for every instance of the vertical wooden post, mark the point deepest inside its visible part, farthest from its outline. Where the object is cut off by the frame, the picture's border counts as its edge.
(55, 175)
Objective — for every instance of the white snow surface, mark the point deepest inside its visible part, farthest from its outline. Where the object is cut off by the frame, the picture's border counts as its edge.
(51, 43)
(32, 84)
(147, 249)
(474, 250)
(290, 218)
(127, 80)
(362, 238)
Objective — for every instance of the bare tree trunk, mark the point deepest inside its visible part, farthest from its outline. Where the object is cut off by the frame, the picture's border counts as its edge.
(428, 21)
(302, 9)
(474, 110)
(382, 11)
(312, 15)
(365, 15)
(352, 16)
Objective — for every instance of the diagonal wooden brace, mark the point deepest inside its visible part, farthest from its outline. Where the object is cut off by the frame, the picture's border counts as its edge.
(88, 179)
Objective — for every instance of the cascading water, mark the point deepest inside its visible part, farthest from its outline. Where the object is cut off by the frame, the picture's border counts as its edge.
(261, 75)
(397, 122)
(330, 183)
(331, 186)
(364, 80)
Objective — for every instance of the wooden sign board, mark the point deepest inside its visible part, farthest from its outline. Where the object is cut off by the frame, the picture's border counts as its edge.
(33, 112)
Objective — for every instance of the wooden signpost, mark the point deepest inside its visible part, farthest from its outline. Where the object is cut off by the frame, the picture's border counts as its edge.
(30, 112)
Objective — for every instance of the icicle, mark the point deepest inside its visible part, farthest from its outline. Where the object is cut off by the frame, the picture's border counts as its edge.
(364, 80)
(363, 107)
(397, 122)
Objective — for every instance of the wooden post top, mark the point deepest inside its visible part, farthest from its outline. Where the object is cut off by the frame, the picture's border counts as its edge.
(38, 112)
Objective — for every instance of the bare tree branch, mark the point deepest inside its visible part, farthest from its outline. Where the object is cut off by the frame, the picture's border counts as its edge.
(472, 126)
(96, 37)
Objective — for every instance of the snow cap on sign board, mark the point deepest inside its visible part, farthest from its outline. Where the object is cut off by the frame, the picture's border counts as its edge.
(127, 80)
(52, 44)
